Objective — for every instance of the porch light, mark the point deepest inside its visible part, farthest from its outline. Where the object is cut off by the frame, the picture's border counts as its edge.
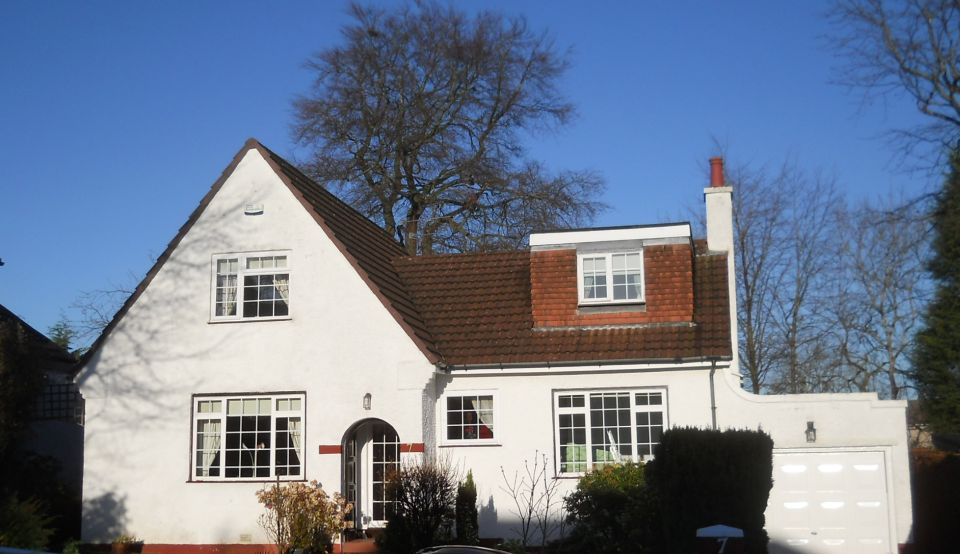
(367, 399)
(811, 432)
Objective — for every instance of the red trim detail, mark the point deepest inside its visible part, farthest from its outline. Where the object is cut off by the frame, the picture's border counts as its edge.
(408, 447)
(331, 449)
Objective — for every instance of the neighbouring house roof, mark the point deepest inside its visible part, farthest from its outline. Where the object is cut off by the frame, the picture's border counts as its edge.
(53, 356)
(478, 309)
(475, 309)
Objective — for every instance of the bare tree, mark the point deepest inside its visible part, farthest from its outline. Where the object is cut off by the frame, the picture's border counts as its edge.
(785, 263)
(760, 215)
(880, 299)
(417, 121)
(801, 294)
(536, 499)
(910, 46)
(96, 308)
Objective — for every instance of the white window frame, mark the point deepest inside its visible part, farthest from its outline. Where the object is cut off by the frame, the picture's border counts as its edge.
(608, 267)
(445, 414)
(242, 271)
(635, 409)
(218, 462)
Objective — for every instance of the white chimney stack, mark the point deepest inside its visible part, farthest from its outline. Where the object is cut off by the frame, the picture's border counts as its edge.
(719, 201)
(719, 204)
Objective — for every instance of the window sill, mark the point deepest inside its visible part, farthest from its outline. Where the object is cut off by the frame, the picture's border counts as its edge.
(605, 307)
(454, 444)
(250, 319)
(249, 480)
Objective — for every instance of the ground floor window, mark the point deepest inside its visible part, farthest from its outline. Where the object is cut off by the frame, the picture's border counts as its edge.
(595, 428)
(469, 417)
(248, 436)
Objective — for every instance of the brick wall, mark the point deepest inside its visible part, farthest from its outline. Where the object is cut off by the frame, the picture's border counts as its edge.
(669, 289)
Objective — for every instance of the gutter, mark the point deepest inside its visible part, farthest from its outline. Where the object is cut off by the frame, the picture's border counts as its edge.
(447, 368)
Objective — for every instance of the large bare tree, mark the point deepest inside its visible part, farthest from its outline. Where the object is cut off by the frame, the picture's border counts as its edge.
(880, 299)
(905, 46)
(418, 121)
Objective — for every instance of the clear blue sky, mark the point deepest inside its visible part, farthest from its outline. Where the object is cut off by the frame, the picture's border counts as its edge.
(116, 117)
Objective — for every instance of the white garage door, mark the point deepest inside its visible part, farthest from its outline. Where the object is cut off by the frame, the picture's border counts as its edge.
(832, 501)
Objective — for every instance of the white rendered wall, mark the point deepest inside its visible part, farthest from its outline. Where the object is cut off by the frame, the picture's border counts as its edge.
(525, 426)
(339, 344)
(843, 422)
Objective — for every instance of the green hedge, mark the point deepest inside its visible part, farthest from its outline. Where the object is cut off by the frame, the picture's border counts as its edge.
(936, 510)
(702, 477)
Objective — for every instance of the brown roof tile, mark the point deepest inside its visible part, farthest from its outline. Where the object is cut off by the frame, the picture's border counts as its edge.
(478, 310)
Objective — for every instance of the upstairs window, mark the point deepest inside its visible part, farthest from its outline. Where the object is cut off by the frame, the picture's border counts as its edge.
(611, 278)
(251, 286)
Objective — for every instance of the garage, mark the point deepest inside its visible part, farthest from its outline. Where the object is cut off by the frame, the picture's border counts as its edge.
(829, 501)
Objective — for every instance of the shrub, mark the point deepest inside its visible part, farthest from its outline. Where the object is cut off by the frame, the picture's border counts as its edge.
(23, 524)
(423, 497)
(467, 524)
(302, 516)
(702, 477)
(613, 507)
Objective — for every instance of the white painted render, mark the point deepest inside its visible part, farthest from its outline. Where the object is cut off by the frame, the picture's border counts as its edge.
(650, 232)
(844, 422)
(339, 343)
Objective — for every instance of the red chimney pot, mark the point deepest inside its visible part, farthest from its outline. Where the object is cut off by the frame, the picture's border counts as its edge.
(716, 172)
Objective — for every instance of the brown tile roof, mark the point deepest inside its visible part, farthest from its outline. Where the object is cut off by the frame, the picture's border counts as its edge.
(477, 307)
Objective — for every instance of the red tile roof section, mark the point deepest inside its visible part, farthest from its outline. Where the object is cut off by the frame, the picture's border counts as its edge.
(478, 308)
(668, 276)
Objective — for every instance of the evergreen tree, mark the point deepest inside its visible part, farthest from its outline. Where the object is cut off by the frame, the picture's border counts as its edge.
(467, 525)
(937, 356)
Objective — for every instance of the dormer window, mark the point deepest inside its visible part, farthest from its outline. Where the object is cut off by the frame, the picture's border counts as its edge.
(611, 278)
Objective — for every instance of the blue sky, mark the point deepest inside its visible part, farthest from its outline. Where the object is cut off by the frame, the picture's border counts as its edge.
(116, 117)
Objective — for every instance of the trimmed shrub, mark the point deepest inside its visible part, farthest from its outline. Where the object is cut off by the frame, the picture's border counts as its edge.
(467, 525)
(612, 507)
(424, 496)
(936, 480)
(703, 477)
(302, 516)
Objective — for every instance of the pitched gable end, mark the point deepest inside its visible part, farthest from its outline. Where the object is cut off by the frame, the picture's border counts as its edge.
(367, 247)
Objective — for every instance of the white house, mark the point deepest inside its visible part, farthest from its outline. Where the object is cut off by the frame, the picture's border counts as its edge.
(283, 336)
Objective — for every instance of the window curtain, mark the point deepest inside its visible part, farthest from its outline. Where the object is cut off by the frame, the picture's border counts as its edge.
(229, 295)
(483, 407)
(209, 445)
(296, 437)
(282, 284)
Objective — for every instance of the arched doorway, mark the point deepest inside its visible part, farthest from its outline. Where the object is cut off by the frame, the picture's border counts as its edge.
(371, 452)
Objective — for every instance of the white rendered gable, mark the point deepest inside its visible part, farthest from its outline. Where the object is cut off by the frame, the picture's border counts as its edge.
(338, 344)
